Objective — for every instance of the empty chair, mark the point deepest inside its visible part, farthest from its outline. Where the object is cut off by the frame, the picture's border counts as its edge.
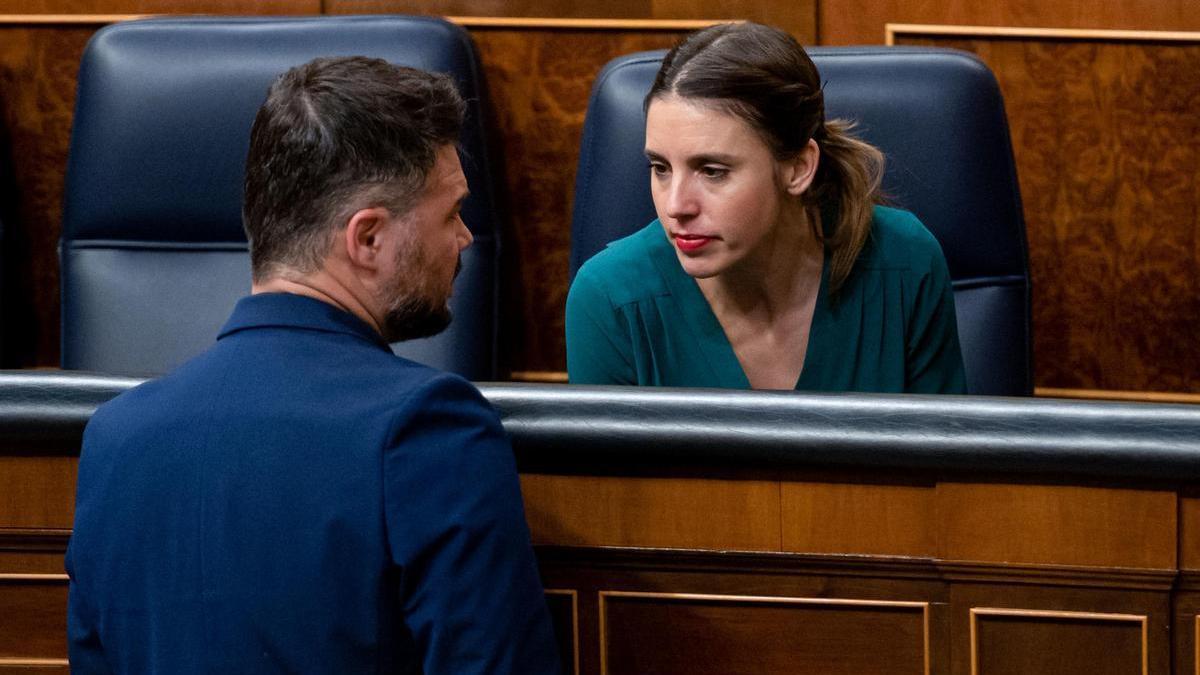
(939, 118)
(153, 255)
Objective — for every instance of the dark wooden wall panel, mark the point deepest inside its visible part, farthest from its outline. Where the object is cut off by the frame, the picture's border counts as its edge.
(1104, 134)
(538, 103)
(799, 17)
(846, 22)
(161, 7)
(33, 618)
(38, 65)
(1020, 643)
(667, 635)
(564, 610)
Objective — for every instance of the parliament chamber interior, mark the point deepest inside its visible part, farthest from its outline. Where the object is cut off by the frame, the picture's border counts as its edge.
(1048, 521)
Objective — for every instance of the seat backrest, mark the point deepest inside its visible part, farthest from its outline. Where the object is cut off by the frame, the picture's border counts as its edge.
(153, 254)
(938, 116)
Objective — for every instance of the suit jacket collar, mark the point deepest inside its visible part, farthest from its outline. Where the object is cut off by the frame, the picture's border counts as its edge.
(288, 310)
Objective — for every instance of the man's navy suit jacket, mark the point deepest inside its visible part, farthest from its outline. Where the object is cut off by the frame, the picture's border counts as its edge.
(298, 499)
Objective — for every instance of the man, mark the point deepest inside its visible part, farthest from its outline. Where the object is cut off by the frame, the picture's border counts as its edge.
(297, 499)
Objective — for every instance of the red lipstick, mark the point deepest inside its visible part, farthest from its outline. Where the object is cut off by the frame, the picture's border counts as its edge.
(691, 243)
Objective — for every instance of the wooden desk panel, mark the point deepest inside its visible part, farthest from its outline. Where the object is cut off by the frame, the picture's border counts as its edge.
(652, 512)
(1058, 525)
(37, 492)
(950, 546)
(862, 519)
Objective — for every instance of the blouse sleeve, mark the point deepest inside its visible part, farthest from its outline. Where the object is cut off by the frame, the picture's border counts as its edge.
(934, 363)
(599, 350)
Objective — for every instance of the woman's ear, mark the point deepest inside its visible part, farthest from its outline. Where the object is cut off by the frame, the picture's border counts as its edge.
(799, 170)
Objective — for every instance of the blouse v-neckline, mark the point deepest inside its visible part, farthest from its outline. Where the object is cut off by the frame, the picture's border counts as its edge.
(720, 358)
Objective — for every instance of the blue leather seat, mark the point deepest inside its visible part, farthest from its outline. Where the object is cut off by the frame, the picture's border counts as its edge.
(153, 254)
(938, 116)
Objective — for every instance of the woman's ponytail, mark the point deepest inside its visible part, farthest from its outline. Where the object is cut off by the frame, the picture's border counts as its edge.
(845, 191)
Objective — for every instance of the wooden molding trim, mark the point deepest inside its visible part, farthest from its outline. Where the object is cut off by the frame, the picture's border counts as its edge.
(33, 577)
(574, 618)
(976, 612)
(757, 599)
(1118, 395)
(892, 30)
(9, 662)
(1059, 575)
(484, 22)
(32, 540)
(875, 566)
(546, 376)
(584, 24)
(69, 19)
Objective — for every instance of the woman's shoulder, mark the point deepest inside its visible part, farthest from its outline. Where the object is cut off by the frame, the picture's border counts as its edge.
(900, 240)
(625, 269)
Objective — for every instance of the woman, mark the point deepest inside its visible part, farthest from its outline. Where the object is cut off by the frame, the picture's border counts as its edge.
(771, 264)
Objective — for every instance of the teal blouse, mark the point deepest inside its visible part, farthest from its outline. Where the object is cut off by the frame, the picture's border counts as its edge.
(635, 317)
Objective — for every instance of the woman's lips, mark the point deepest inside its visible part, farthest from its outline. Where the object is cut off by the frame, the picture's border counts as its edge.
(689, 243)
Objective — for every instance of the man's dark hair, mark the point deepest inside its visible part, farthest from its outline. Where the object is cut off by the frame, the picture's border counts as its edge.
(336, 135)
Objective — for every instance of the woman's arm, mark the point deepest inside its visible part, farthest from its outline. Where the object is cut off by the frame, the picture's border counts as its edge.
(934, 358)
(599, 350)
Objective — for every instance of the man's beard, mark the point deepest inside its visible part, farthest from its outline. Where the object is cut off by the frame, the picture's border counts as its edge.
(414, 315)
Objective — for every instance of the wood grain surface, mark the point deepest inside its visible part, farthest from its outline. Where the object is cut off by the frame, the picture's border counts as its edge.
(670, 512)
(37, 492)
(33, 619)
(799, 18)
(847, 22)
(1062, 643)
(538, 101)
(38, 65)
(859, 519)
(1058, 525)
(666, 635)
(161, 7)
(1104, 134)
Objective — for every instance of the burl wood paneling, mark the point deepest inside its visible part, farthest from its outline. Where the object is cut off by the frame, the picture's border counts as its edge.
(161, 7)
(800, 17)
(33, 619)
(539, 82)
(1059, 525)
(1104, 135)
(656, 512)
(845, 22)
(37, 492)
(1063, 643)
(38, 65)
(667, 635)
(861, 519)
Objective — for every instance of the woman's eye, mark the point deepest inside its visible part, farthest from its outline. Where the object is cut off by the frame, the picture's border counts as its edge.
(658, 169)
(713, 171)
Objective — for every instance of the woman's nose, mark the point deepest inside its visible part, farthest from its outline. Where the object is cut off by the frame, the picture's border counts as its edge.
(680, 200)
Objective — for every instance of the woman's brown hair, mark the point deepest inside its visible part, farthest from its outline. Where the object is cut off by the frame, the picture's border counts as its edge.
(763, 76)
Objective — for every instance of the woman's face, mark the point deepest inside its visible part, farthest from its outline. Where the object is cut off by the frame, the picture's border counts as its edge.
(717, 187)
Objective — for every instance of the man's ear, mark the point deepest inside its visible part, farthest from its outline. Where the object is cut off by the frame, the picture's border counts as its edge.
(799, 170)
(363, 235)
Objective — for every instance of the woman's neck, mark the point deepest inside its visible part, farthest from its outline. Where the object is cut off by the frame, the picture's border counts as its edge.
(773, 280)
